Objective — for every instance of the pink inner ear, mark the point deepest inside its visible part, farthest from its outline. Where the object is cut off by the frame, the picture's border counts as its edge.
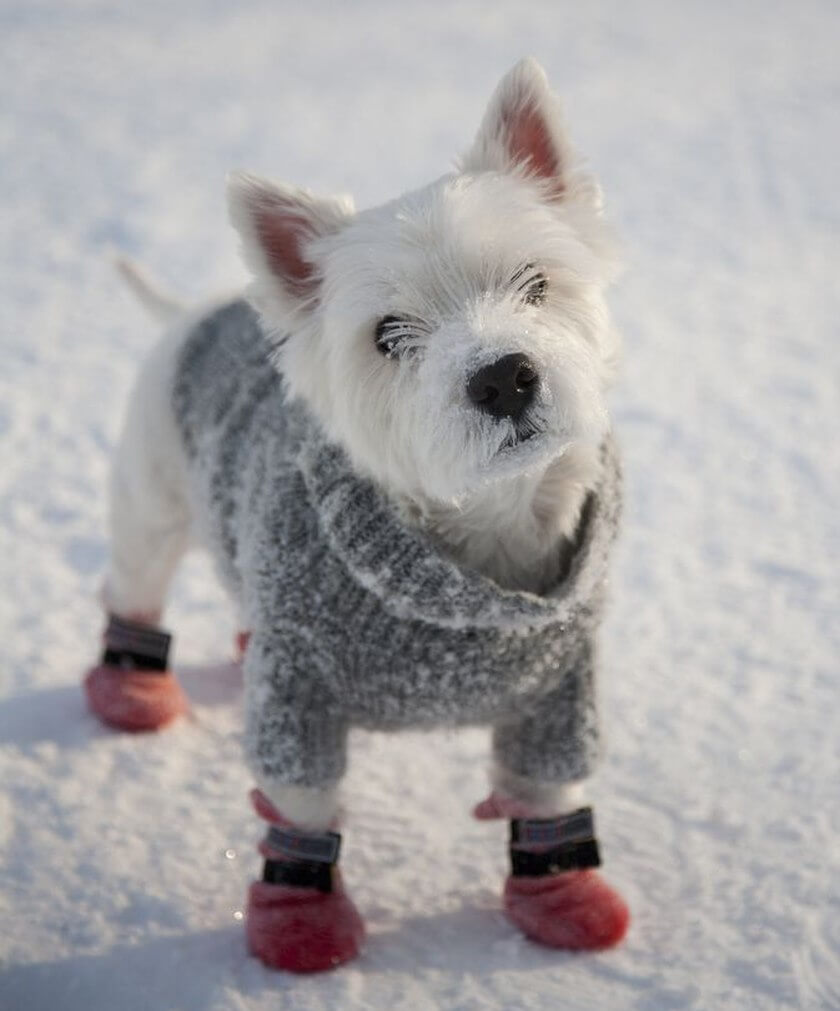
(281, 233)
(529, 143)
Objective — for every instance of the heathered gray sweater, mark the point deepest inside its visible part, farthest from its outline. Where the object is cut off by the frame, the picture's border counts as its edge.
(357, 619)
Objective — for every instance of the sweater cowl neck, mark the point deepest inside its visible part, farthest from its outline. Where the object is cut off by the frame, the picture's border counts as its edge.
(415, 580)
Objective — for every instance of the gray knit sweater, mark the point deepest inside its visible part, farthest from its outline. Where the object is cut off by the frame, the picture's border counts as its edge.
(357, 619)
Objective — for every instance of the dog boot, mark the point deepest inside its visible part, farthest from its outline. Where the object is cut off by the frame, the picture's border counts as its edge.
(241, 645)
(299, 916)
(131, 688)
(553, 895)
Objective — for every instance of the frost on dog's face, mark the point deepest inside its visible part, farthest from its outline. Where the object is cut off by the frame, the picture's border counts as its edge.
(457, 335)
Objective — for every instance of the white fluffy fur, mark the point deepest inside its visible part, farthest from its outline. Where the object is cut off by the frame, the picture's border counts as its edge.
(306, 807)
(149, 515)
(539, 800)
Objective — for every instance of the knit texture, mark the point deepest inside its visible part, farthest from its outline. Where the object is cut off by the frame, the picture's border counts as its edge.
(356, 618)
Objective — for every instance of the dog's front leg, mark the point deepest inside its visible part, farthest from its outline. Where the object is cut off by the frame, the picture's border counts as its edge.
(299, 916)
(514, 796)
(542, 758)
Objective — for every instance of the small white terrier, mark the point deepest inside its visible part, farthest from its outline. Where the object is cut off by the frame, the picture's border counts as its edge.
(410, 499)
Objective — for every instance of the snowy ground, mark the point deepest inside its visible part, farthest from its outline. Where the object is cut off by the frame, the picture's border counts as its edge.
(714, 126)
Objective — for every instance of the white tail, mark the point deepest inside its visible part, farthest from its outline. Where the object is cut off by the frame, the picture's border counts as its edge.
(162, 306)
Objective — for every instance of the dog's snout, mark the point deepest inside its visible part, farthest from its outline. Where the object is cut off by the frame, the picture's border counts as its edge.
(505, 388)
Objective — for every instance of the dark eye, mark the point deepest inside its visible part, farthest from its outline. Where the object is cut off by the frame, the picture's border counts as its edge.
(531, 283)
(396, 336)
(535, 293)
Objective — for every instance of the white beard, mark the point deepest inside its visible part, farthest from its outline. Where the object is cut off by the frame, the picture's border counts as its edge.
(517, 532)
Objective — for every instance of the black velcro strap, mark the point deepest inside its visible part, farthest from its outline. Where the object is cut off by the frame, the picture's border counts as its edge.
(540, 846)
(304, 859)
(301, 873)
(292, 844)
(135, 646)
(566, 828)
(568, 857)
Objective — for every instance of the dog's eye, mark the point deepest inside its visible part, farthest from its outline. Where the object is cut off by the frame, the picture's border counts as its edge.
(396, 336)
(531, 283)
(535, 293)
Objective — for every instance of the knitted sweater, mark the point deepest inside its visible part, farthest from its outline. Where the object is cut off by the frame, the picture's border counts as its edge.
(356, 618)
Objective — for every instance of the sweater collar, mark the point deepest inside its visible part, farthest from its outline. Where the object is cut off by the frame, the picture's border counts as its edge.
(414, 580)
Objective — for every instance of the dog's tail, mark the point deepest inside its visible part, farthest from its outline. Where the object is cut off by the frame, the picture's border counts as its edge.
(162, 306)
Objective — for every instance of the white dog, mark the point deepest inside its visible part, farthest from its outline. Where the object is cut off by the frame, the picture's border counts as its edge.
(402, 464)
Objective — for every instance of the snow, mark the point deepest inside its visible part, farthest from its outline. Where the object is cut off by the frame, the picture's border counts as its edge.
(714, 127)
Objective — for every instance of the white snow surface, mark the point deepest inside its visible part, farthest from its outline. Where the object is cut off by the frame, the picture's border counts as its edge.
(124, 860)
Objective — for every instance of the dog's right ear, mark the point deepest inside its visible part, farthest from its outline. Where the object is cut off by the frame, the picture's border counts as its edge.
(278, 226)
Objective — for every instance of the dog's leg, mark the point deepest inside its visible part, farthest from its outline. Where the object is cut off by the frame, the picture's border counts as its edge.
(515, 796)
(132, 688)
(300, 917)
(553, 893)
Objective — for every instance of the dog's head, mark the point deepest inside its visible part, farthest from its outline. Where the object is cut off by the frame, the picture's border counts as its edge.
(458, 334)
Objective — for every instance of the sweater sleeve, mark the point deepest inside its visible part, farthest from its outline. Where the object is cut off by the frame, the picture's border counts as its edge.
(556, 737)
(295, 728)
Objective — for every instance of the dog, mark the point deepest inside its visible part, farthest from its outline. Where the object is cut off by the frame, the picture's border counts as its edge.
(398, 451)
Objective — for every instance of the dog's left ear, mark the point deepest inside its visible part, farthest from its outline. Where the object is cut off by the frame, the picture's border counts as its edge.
(522, 131)
(278, 226)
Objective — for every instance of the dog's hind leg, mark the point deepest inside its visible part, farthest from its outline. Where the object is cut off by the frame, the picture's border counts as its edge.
(132, 688)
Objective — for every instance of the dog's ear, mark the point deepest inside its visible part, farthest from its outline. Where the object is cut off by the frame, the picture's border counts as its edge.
(522, 131)
(278, 226)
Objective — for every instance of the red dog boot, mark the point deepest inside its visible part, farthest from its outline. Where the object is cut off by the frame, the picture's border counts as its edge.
(299, 916)
(552, 895)
(241, 645)
(131, 689)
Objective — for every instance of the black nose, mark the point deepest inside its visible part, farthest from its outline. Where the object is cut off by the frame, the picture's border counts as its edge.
(505, 388)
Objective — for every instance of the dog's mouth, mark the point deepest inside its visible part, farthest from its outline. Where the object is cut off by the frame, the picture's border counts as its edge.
(518, 438)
